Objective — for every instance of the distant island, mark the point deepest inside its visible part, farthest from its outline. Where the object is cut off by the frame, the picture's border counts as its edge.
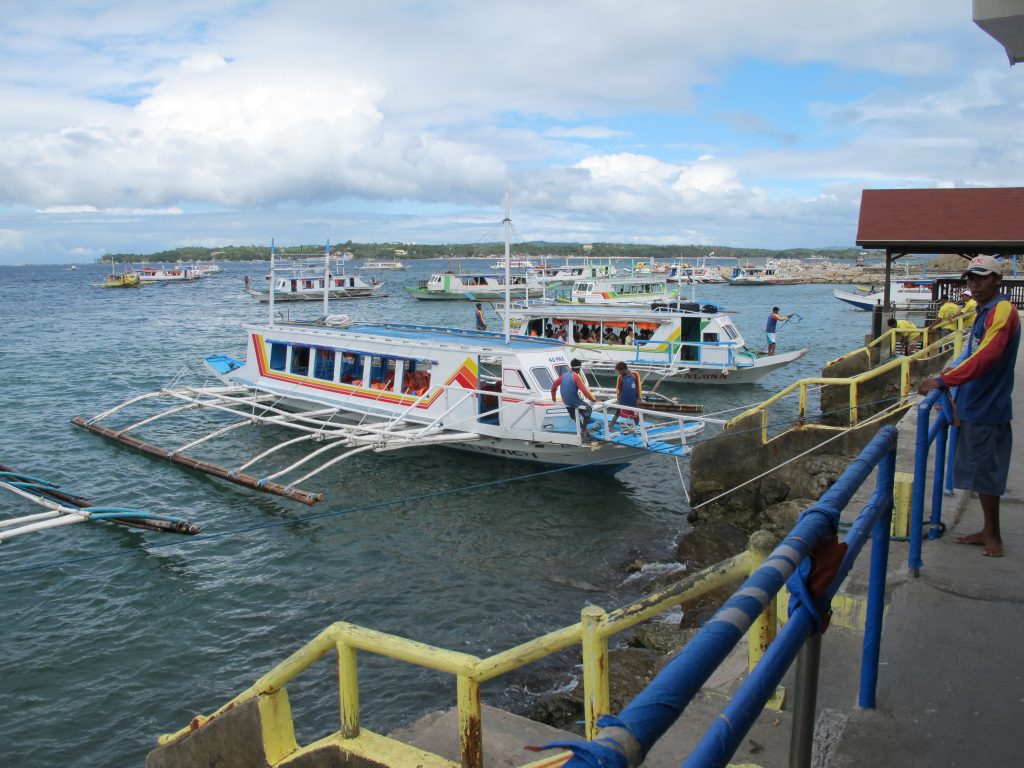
(532, 250)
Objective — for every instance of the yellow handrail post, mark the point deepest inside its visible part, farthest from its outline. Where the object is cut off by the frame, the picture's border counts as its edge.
(348, 690)
(762, 631)
(905, 377)
(471, 735)
(596, 679)
(803, 402)
(764, 426)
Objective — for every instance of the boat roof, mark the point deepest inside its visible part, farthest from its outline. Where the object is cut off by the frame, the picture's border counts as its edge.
(612, 310)
(429, 335)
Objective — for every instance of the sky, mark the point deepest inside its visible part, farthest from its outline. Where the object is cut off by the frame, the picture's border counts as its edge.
(143, 127)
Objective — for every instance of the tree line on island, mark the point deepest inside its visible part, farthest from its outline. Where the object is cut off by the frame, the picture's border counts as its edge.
(527, 250)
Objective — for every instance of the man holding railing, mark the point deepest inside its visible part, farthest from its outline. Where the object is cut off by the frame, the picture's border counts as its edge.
(983, 376)
(573, 389)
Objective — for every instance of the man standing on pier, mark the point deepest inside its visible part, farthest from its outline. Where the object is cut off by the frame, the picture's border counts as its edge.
(983, 374)
(771, 326)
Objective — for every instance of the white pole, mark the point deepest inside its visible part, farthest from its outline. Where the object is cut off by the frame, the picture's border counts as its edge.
(270, 302)
(327, 274)
(508, 272)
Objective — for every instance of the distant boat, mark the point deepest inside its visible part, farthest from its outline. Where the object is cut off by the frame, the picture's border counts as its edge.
(514, 264)
(394, 265)
(127, 279)
(177, 274)
(72, 267)
(304, 281)
(621, 290)
(907, 294)
(769, 274)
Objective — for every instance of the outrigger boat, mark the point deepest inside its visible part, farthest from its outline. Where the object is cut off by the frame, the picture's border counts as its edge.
(452, 286)
(568, 273)
(302, 280)
(178, 274)
(769, 274)
(903, 295)
(620, 290)
(678, 342)
(351, 388)
(127, 279)
(387, 265)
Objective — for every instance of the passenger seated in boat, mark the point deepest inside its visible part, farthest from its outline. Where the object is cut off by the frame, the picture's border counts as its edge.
(609, 336)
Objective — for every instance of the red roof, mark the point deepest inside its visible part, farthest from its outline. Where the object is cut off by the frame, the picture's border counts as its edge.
(943, 220)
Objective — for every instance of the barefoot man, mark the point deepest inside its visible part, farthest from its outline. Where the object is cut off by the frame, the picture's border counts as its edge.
(983, 375)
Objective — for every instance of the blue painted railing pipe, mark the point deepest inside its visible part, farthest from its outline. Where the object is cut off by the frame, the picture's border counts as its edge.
(921, 443)
(872, 643)
(938, 475)
(625, 739)
(724, 736)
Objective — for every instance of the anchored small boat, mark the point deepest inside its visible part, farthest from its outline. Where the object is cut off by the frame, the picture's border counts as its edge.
(678, 342)
(551, 276)
(700, 273)
(771, 273)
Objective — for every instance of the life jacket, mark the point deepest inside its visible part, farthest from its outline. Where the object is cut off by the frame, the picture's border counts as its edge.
(570, 390)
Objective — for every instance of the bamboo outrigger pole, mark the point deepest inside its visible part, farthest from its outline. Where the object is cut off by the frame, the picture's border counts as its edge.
(249, 481)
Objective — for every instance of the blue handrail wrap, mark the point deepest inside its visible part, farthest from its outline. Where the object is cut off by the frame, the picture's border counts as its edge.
(656, 708)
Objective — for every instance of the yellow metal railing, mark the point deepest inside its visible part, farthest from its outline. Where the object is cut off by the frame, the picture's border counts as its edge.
(592, 633)
(935, 340)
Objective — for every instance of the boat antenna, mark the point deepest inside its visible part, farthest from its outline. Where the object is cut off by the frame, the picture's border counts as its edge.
(508, 272)
(270, 302)
(327, 274)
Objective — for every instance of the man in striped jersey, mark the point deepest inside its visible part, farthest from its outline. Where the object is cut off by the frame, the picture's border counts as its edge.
(983, 376)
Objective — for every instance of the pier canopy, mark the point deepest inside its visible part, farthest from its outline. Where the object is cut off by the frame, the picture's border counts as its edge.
(931, 221)
(1003, 20)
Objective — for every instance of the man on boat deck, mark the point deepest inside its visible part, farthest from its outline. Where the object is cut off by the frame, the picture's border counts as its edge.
(627, 394)
(983, 377)
(480, 324)
(571, 386)
(771, 326)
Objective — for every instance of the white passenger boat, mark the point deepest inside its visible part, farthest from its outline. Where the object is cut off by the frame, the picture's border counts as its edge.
(453, 286)
(349, 388)
(551, 276)
(701, 273)
(621, 290)
(684, 342)
(514, 264)
(383, 265)
(176, 274)
(301, 279)
(770, 273)
(903, 295)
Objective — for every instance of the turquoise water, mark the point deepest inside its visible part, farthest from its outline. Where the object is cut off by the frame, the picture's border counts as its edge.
(111, 637)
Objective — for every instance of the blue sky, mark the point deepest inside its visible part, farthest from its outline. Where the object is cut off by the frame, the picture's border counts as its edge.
(144, 127)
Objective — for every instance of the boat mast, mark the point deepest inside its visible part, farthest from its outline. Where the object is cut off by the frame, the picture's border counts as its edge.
(327, 273)
(273, 278)
(508, 272)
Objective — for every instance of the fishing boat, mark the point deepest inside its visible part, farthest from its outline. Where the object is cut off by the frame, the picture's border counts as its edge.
(903, 295)
(620, 290)
(383, 265)
(679, 342)
(178, 274)
(452, 286)
(129, 278)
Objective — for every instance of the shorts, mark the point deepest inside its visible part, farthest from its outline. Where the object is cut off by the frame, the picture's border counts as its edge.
(770, 337)
(982, 460)
(628, 414)
(584, 414)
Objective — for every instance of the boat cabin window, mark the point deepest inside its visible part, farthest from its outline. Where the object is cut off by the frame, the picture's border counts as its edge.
(730, 330)
(416, 379)
(300, 361)
(382, 372)
(351, 368)
(278, 356)
(510, 377)
(323, 364)
(543, 377)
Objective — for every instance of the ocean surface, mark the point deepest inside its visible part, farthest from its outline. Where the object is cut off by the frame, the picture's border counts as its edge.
(111, 637)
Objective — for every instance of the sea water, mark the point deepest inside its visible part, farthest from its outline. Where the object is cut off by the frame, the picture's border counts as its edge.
(111, 636)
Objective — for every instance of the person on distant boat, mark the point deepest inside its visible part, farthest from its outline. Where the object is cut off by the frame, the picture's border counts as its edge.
(771, 326)
(247, 282)
(480, 324)
(983, 378)
(907, 333)
(574, 389)
(627, 394)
